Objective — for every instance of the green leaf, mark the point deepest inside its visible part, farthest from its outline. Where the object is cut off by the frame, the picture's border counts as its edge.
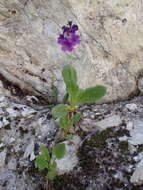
(60, 110)
(44, 152)
(70, 79)
(76, 117)
(52, 165)
(52, 174)
(41, 163)
(50, 106)
(65, 98)
(64, 122)
(70, 137)
(59, 150)
(90, 95)
(54, 94)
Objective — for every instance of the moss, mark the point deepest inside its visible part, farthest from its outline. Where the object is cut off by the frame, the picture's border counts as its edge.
(123, 146)
(121, 132)
(140, 148)
(33, 132)
(58, 183)
(101, 155)
(67, 182)
(99, 140)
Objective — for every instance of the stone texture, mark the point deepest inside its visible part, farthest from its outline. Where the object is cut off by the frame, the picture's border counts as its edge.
(30, 151)
(24, 127)
(110, 121)
(136, 132)
(131, 107)
(140, 85)
(70, 159)
(2, 158)
(137, 177)
(110, 52)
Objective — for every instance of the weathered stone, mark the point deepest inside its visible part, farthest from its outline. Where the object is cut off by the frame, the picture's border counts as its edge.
(136, 132)
(110, 52)
(132, 106)
(29, 152)
(2, 158)
(140, 84)
(110, 121)
(137, 177)
(70, 159)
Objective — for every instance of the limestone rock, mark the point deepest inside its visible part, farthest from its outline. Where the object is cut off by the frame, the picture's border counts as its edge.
(137, 177)
(136, 132)
(70, 160)
(140, 84)
(2, 158)
(110, 52)
(29, 152)
(132, 106)
(110, 121)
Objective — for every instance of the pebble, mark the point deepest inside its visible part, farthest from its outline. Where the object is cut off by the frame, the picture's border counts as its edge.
(110, 121)
(29, 152)
(124, 138)
(131, 107)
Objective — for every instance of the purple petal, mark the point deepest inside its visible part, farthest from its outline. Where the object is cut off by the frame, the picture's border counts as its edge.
(74, 27)
(75, 39)
(66, 29)
(67, 48)
(70, 23)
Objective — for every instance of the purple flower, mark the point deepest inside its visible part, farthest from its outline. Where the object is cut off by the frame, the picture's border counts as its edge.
(68, 39)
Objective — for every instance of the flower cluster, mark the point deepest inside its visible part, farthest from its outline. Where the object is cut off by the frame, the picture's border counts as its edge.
(68, 39)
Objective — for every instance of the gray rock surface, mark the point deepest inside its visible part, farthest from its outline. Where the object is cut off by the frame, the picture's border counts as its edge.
(136, 132)
(2, 158)
(24, 128)
(137, 177)
(110, 52)
(70, 160)
(110, 121)
(140, 85)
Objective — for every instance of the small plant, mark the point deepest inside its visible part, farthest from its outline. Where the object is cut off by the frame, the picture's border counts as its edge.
(46, 160)
(66, 114)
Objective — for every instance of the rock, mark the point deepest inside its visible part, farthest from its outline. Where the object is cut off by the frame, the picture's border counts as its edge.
(3, 91)
(12, 112)
(29, 152)
(110, 121)
(138, 157)
(124, 138)
(87, 124)
(45, 128)
(136, 132)
(130, 125)
(21, 136)
(70, 160)
(132, 106)
(137, 177)
(2, 158)
(110, 52)
(140, 85)
(12, 164)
